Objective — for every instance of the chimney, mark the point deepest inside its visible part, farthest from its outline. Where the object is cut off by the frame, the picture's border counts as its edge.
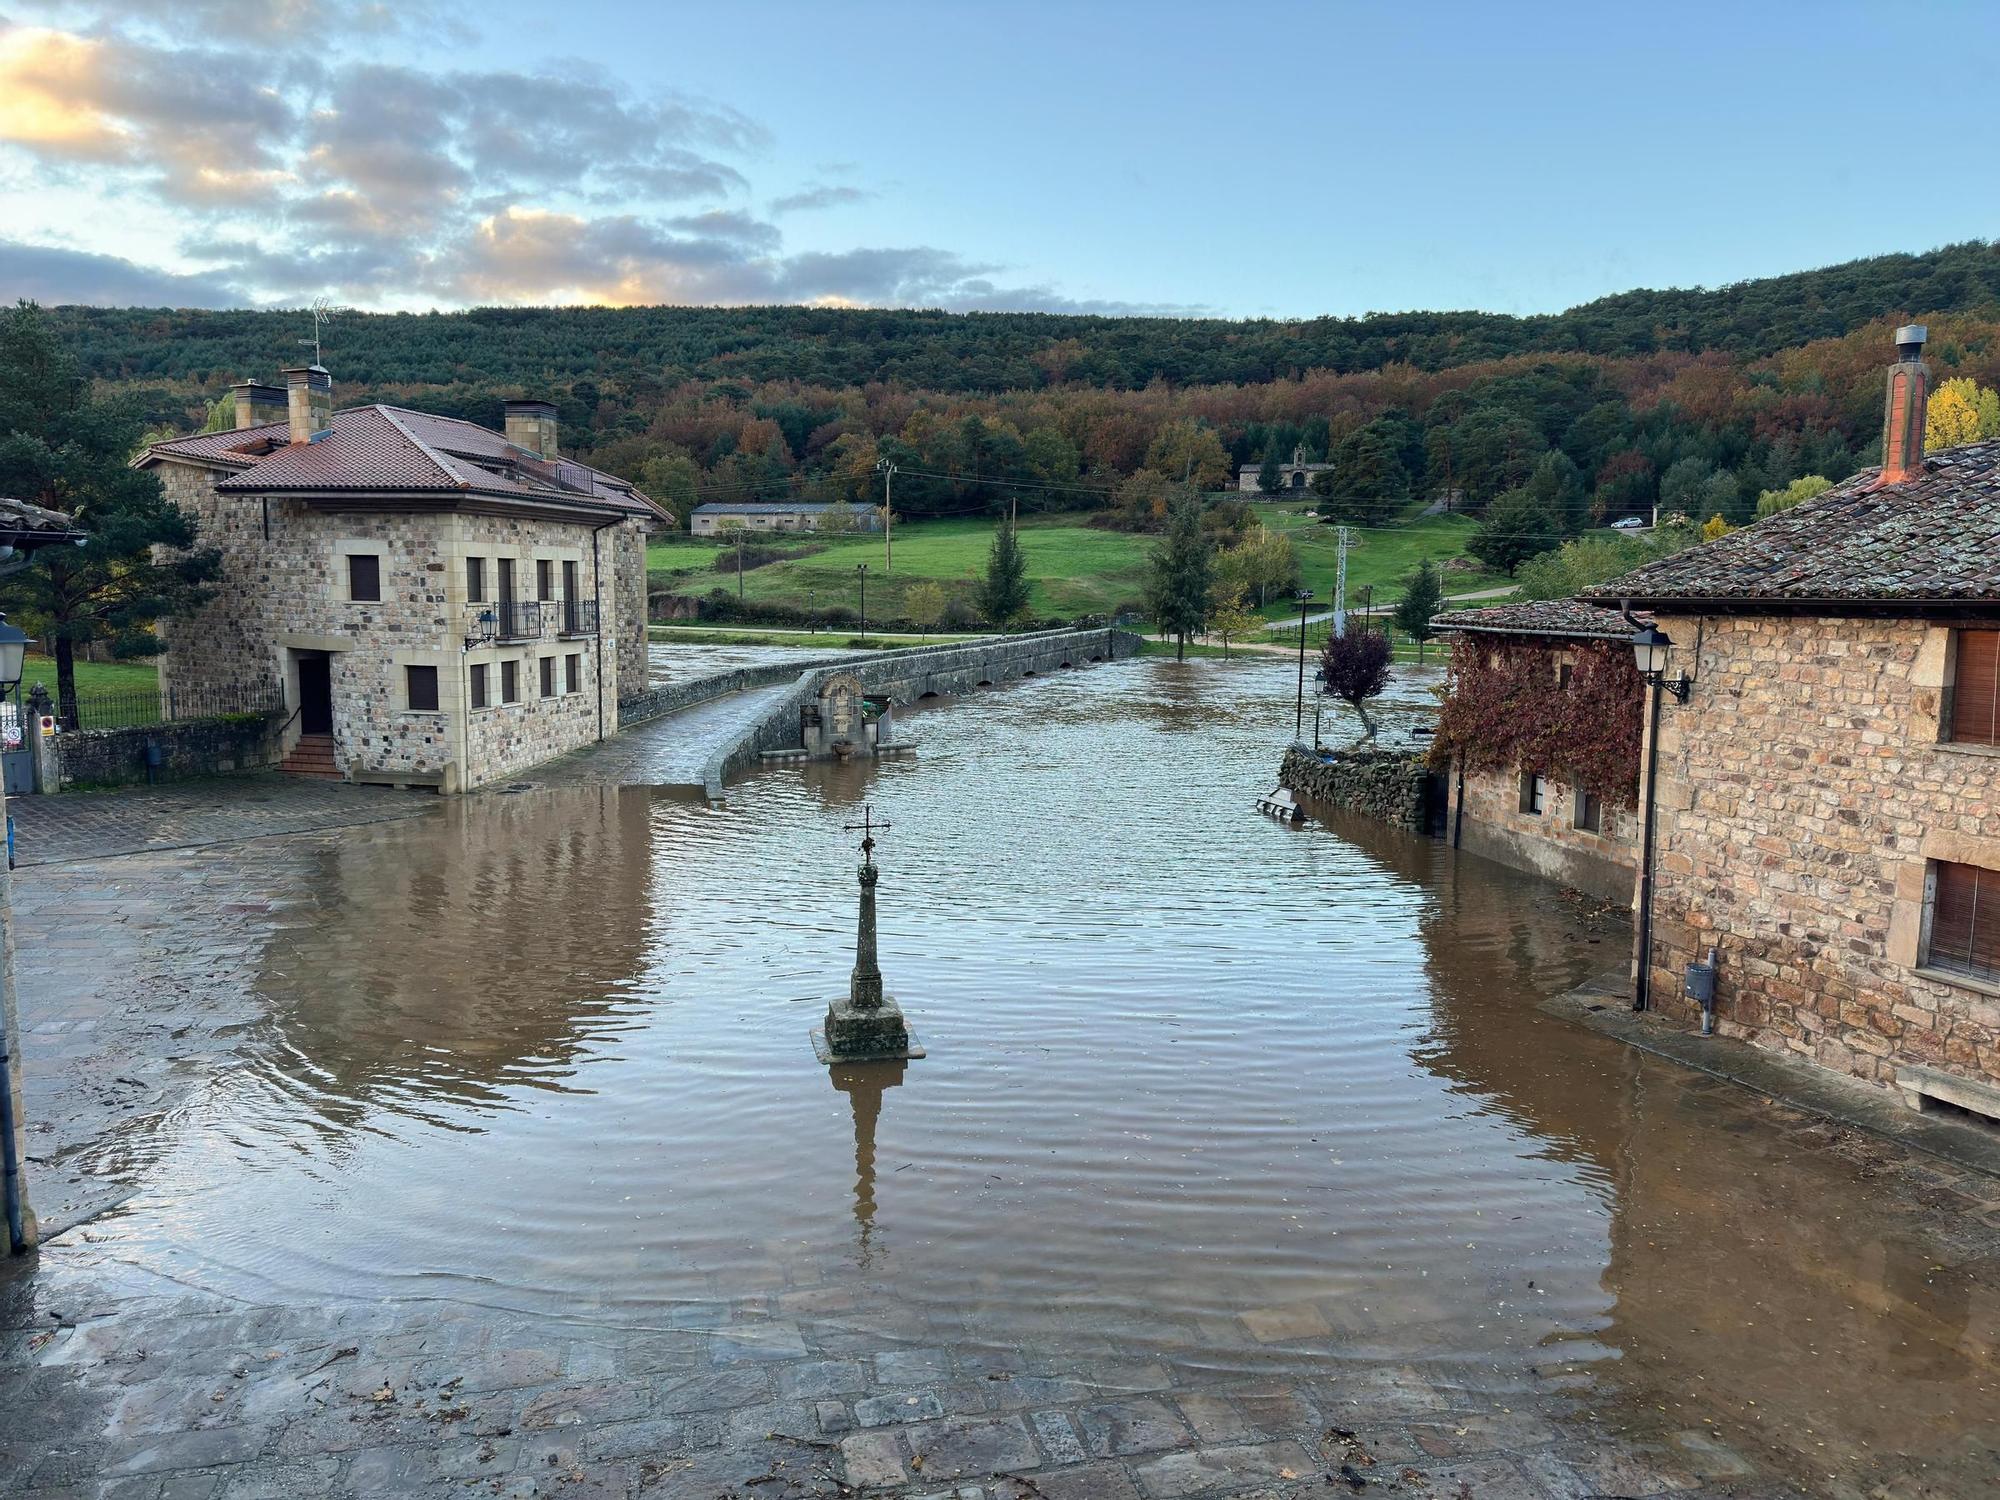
(309, 401)
(532, 425)
(1903, 411)
(258, 404)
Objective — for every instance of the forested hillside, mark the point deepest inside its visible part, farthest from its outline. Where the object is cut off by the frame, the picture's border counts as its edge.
(1703, 399)
(991, 352)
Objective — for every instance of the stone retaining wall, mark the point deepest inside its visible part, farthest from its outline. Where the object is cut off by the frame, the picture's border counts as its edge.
(199, 747)
(919, 672)
(1385, 784)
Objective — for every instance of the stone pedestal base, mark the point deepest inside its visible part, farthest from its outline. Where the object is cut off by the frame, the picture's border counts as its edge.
(853, 1034)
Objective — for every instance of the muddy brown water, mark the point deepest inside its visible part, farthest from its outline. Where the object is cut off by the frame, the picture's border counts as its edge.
(1200, 1087)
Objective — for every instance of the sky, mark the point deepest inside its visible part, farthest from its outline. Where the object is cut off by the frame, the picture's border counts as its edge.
(1251, 159)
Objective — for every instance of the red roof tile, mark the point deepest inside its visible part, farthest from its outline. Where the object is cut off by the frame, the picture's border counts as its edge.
(391, 450)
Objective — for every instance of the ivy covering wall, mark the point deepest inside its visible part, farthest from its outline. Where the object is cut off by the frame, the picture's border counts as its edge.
(1505, 707)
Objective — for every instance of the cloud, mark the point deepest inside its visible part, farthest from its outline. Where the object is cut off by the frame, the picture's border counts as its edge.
(54, 276)
(341, 168)
(819, 195)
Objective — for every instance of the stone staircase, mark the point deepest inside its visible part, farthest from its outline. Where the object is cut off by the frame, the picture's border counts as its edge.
(312, 756)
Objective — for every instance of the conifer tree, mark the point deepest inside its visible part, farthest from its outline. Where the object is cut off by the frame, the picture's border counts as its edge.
(1004, 594)
(1179, 575)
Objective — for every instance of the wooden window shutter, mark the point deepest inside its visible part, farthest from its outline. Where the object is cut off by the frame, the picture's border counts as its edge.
(1965, 920)
(1975, 696)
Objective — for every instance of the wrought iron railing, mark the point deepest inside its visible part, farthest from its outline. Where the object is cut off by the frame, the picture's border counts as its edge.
(505, 620)
(577, 617)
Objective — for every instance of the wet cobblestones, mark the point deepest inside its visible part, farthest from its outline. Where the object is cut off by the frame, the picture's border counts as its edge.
(148, 1396)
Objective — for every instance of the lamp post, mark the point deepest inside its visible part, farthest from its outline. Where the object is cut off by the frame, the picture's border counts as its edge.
(1319, 698)
(13, 656)
(812, 617)
(1651, 648)
(1368, 604)
(861, 572)
(1299, 719)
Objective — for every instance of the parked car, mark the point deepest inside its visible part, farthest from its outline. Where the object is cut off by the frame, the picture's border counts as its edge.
(1630, 523)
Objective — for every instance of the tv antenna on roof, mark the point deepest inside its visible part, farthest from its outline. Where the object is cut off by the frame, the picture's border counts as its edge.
(324, 311)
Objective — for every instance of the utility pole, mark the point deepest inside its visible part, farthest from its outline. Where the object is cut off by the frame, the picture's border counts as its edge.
(861, 572)
(739, 567)
(1340, 586)
(887, 469)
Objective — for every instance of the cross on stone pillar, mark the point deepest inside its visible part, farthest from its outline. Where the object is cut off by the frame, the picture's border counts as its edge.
(867, 1023)
(864, 989)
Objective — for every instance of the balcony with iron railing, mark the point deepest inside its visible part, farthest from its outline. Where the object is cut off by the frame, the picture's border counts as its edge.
(576, 617)
(505, 620)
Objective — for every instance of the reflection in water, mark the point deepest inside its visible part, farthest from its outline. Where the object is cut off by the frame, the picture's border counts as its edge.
(1202, 1088)
(864, 1083)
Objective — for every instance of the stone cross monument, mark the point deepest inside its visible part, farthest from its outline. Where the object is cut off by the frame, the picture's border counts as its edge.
(868, 1024)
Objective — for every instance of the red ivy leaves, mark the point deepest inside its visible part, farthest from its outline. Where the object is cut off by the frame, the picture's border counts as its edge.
(1504, 707)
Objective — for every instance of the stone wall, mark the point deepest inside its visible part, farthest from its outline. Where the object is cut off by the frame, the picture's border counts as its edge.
(284, 591)
(198, 747)
(1487, 819)
(1803, 793)
(921, 672)
(1384, 784)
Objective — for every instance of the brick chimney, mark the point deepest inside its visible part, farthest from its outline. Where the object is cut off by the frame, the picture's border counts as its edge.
(258, 404)
(532, 425)
(309, 401)
(1903, 410)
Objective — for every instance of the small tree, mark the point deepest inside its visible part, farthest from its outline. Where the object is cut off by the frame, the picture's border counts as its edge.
(1356, 668)
(1004, 593)
(1179, 574)
(1516, 527)
(1229, 617)
(63, 448)
(1423, 596)
(925, 606)
(1270, 476)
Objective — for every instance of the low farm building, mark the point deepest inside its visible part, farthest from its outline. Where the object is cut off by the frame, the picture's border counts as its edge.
(1829, 792)
(718, 517)
(1541, 721)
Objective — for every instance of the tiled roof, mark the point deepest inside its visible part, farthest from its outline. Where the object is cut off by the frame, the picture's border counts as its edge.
(764, 508)
(1565, 617)
(1935, 539)
(22, 518)
(391, 450)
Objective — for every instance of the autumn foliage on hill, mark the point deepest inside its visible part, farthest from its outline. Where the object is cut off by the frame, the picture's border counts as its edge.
(1703, 400)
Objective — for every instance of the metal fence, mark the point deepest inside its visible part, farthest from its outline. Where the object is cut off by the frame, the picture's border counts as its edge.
(130, 708)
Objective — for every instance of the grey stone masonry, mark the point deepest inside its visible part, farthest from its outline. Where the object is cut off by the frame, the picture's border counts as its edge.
(1385, 784)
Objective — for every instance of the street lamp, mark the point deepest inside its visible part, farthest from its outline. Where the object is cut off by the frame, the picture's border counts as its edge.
(861, 572)
(1652, 647)
(1299, 719)
(1319, 697)
(13, 656)
(812, 618)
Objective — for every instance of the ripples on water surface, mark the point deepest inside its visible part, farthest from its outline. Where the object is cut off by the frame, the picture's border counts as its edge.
(1198, 1083)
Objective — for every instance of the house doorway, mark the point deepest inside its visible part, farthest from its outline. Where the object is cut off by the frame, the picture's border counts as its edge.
(315, 692)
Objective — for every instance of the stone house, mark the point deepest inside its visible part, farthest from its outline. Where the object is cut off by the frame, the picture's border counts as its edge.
(442, 604)
(1541, 815)
(719, 516)
(1295, 477)
(1828, 795)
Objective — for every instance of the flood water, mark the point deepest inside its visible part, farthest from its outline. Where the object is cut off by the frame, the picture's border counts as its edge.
(1199, 1086)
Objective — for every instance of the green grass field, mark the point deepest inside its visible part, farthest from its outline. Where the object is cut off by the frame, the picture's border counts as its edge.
(95, 676)
(1072, 569)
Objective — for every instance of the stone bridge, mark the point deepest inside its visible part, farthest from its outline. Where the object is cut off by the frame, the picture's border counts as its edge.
(901, 676)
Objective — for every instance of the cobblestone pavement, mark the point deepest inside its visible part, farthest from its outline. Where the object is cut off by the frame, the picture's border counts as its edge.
(807, 1391)
(212, 810)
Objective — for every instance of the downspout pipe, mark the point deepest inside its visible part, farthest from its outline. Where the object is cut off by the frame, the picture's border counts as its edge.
(597, 610)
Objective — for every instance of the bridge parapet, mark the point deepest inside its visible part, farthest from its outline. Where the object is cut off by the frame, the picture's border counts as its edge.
(906, 675)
